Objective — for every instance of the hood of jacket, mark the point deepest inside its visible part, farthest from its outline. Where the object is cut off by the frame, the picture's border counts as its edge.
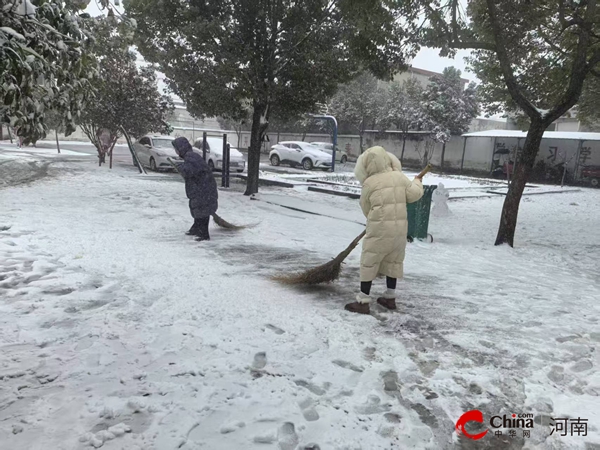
(375, 160)
(182, 146)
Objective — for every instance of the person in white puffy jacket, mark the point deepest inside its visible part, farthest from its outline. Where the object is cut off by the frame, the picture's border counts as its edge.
(385, 193)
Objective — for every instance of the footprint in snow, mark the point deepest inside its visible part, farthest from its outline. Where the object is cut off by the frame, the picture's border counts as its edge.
(347, 365)
(556, 374)
(274, 329)
(308, 410)
(373, 406)
(582, 366)
(390, 381)
(230, 428)
(260, 361)
(287, 437)
(310, 386)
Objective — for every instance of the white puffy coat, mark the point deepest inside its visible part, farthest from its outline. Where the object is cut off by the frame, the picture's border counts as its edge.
(385, 193)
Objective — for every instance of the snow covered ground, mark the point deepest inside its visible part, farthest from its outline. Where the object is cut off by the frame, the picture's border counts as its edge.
(117, 331)
(9, 149)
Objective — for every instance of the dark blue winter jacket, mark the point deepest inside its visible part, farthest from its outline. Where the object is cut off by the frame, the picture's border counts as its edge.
(200, 185)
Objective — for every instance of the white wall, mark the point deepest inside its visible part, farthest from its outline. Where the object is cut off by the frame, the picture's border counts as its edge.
(554, 151)
(478, 152)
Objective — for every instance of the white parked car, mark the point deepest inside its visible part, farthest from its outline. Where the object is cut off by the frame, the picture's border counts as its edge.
(340, 155)
(153, 152)
(298, 153)
(214, 155)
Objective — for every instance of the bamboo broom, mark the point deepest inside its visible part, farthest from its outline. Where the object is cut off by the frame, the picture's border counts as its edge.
(330, 271)
(218, 219)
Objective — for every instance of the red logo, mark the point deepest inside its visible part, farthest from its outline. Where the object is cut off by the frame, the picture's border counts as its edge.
(470, 416)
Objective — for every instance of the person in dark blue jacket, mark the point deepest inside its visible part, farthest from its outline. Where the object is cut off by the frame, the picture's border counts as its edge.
(200, 188)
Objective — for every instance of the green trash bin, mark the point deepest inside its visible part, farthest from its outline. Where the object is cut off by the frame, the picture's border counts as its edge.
(418, 216)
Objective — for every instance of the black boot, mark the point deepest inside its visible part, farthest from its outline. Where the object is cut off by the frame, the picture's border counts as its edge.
(203, 229)
(195, 229)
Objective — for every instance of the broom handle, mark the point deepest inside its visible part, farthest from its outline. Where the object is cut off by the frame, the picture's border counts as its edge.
(424, 171)
(174, 166)
(357, 239)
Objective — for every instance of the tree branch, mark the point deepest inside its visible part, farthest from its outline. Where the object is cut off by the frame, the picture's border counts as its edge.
(308, 34)
(509, 77)
(473, 45)
(595, 73)
(548, 41)
(454, 7)
(452, 33)
(581, 66)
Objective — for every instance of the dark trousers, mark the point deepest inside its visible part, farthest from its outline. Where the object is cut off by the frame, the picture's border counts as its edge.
(200, 227)
(365, 286)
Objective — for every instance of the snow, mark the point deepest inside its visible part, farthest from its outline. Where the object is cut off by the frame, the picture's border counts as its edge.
(26, 8)
(573, 135)
(118, 332)
(19, 168)
(13, 33)
(47, 152)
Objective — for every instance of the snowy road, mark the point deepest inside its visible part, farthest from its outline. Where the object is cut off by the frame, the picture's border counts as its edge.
(117, 331)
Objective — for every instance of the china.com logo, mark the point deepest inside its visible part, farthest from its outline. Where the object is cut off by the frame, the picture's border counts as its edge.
(524, 421)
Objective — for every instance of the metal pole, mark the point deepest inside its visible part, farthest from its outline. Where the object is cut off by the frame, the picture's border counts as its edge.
(462, 161)
(493, 153)
(335, 133)
(224, 163)
(223, 157)
(575, 174)
(228, 168)
(193, 131)
(516, 155)
(204, 146)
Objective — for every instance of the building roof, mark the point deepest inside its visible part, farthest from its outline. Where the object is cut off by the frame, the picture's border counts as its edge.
(567, 135)
(429, 73)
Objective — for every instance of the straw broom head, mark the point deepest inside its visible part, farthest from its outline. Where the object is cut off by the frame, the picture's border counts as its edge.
(228, 226)
(325, 273)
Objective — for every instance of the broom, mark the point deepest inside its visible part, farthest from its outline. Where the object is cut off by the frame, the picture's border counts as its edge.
(330, 271)
(218, 219)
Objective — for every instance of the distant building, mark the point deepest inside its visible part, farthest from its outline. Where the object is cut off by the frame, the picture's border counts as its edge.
(422, 76)
(568, 122)
(484, 124)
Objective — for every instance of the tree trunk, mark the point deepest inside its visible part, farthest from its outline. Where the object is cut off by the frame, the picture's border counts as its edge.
(510, 210)
(443, 155)
(403, 147)
(57, 144)
(113, 142)
(256, 135)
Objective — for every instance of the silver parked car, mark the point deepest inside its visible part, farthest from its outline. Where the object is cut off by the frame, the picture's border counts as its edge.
(340, 155)
(153, 152)
(214, 155)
